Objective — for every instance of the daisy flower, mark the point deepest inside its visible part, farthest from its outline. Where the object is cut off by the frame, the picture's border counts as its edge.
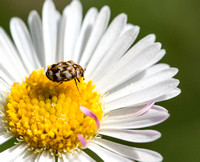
(115, 98)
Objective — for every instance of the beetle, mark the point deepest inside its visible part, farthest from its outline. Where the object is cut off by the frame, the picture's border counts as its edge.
(65, 71)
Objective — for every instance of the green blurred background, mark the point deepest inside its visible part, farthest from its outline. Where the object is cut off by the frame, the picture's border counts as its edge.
(176, 24)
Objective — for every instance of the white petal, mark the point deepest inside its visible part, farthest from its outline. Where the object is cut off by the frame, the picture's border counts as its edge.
(26, 156)
(142, 84)
(5, 79)
(144, 74)
(76, 156)
(143, 43)
(35, 25)
(85, 157)
(97, 32)
(106, 42)
(50, 19)
(22, 39)
(119, 47)
(138, 136)
(130, 152)
(8, 50)
(7, 71)
(8, 74)
(16, 153)
(85, 32)
(67, 157)
(105, 154)
(29, 157)
(129, 65)
(154, 116)
(72, 28)
(144, 96)
(152, 70)
(169, 95)
(126, 28)
(60, 38)
(3, 97)
(45, 156)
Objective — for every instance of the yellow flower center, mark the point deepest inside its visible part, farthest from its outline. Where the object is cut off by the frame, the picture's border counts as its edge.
(47, 115)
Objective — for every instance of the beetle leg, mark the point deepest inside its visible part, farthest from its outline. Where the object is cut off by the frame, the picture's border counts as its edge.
(78, 80)
(76, 85)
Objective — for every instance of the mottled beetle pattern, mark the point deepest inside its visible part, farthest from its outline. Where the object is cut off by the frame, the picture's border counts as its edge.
(64, 71)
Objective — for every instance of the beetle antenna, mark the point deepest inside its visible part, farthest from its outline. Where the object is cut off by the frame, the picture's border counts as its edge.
(57, 85)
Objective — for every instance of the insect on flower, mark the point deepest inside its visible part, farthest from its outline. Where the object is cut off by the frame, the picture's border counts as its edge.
(65, 71)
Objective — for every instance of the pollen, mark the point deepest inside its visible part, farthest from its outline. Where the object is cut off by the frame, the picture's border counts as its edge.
(47, 115)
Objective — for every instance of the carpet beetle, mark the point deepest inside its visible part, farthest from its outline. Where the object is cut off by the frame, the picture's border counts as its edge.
(64, 71)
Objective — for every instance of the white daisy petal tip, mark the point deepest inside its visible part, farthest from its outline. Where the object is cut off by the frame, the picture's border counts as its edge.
(31, 14)
(13, 21)
(163, 51)
(89, 113)
(123, 16)
(48, 4)
(137, 28)
(163, 114)
(153, 36)
(163, 118)
(158, 45)
(156, 135)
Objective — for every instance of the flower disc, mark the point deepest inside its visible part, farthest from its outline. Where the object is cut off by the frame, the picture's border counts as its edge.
(47, 115)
